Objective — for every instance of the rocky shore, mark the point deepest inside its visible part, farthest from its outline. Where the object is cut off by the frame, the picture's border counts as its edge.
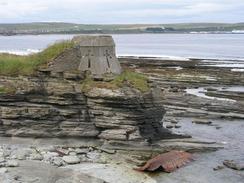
(54, 128)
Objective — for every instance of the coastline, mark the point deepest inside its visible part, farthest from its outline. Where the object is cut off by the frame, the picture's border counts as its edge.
(184, 109)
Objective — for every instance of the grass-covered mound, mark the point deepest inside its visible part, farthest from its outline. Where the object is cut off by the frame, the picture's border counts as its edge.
(127, 78)
(13, 65)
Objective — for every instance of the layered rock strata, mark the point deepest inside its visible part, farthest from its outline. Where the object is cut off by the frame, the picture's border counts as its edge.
(57, 107)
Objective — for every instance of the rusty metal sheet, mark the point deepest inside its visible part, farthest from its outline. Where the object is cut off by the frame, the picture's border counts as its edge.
(169, 161)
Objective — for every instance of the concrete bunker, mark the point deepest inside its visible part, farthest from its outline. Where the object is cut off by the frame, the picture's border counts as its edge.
(92, 53)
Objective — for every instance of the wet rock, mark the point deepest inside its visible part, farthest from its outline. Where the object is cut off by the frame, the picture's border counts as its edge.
(234, 165)
(71, 159)
(202, 122)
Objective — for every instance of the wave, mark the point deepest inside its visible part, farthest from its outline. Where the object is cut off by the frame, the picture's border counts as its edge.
(158, 57)
(184, 58)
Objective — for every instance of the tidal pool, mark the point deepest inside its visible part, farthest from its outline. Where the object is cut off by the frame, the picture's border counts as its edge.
(201, 170)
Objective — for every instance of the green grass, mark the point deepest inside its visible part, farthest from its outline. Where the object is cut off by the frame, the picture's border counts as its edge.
(127, 78)
(2, 90)
(13, 65)
(7, 90)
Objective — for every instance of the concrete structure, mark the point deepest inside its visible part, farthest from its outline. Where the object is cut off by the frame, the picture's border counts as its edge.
(90, 53)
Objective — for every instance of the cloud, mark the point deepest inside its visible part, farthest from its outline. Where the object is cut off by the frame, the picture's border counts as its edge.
(121, 11)
(16, 9)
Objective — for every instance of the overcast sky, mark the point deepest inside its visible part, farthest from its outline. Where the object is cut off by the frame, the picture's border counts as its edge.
(121, 11)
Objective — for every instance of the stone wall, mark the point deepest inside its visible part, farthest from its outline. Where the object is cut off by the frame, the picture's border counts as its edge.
(54, 107)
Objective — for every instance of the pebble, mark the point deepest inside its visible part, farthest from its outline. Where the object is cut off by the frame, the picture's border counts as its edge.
(72, 153)
(57, 161)
(71, 159)
(20, 154)
(169, 126)
(218, 168)
(81, 151)
(177, 126)
(36, 157)
(49, 156)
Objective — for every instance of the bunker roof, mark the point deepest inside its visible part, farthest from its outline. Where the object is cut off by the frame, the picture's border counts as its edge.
(94, 41)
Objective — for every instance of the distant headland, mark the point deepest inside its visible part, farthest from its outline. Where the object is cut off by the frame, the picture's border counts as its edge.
(71, 28)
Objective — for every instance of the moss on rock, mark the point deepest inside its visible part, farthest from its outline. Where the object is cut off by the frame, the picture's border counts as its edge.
(126, 78)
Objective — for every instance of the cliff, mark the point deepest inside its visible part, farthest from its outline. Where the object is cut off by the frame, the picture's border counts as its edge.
(57, 107)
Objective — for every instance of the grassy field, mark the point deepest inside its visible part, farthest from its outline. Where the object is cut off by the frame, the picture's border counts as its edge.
(54, 27)
(13, 65)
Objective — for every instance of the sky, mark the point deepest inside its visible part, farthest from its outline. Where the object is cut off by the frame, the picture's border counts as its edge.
(121, 11)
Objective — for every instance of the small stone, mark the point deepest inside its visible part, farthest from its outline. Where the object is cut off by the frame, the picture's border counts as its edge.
(93, 156)
(90, 149)
(81, 151)
(72, 153)
(202, 122)
(12, 163)
(2, 159)
(173, 121)
(218, 168)
(49, 155)
(57, 161)
(3, 170)
(71, 149)
(17, 177)
(71, 159)
(38, 157)
(169, 126)
(21, 154)
(177, 126)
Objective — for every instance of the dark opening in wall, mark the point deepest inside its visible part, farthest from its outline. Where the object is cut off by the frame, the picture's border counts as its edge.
(89, 63)
(107, 56)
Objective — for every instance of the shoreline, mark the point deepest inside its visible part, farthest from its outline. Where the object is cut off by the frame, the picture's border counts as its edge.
(187, 113)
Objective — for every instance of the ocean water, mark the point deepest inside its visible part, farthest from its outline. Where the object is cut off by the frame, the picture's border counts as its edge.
(217, 46)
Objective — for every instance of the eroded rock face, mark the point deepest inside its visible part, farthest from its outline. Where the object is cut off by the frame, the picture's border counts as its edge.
(54, 107)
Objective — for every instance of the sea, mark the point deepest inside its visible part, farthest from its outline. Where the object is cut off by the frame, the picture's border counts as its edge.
(171, 46)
